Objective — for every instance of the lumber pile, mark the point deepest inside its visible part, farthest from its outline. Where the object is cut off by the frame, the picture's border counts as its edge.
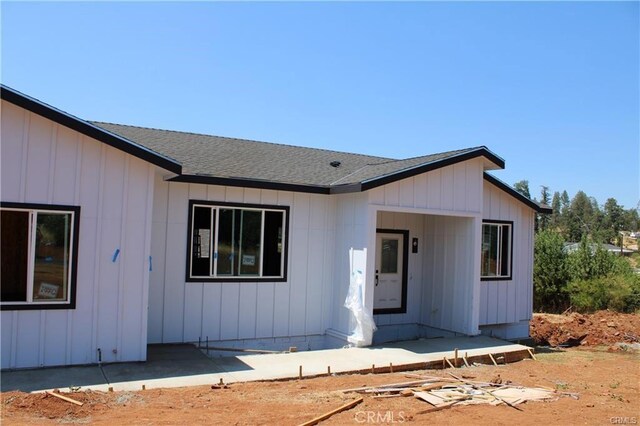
(444, 392)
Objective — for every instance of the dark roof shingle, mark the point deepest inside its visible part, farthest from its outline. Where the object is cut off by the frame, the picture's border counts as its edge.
(222, 157)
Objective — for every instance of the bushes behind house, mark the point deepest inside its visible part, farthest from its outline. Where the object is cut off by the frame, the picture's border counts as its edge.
(587, 279)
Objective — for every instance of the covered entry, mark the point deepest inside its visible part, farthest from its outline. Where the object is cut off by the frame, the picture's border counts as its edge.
(425, 275)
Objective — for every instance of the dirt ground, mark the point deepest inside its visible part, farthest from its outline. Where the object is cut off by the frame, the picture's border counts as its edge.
(600, 328)
(607, 382)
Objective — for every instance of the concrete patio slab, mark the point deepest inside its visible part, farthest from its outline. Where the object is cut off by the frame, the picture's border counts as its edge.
(184, 365)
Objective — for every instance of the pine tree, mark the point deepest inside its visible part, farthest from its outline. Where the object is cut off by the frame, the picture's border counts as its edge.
(544, 219)
(522, 187)
(554, 222)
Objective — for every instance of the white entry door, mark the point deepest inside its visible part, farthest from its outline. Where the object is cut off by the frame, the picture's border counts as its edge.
(389, 281)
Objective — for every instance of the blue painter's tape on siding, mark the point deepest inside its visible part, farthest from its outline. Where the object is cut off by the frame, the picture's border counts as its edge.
(150, 264)
(115, 255)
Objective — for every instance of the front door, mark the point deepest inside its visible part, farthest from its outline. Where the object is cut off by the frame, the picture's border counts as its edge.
(390, 279)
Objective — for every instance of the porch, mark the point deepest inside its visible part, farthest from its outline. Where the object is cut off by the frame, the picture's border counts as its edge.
(427, 277)
(184, 365)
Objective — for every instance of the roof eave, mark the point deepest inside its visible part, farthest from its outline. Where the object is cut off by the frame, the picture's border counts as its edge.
(509, 190)
(250, 183)
(423, 168)
(81, 126)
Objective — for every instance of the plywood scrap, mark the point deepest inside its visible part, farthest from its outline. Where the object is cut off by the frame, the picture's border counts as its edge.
(465, 392)
(326, 415)
(430, 397)
(65, 398)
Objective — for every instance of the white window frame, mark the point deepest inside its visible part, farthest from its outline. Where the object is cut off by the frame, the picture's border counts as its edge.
(214, 237)
(33, 210)
(501, 225)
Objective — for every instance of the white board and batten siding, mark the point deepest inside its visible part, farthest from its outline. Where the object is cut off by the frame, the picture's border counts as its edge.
(181, 311)
(353, 227)
(455, 189)
(46, 163)
(510, 301)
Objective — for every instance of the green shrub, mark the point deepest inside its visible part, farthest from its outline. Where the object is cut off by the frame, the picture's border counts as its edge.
(619, 292)
(550, 272)
(586, 263)
(589, 278)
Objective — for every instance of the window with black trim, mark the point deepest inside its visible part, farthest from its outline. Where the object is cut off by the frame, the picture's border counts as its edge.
(38, 246)
(236, 242)
(496, 254)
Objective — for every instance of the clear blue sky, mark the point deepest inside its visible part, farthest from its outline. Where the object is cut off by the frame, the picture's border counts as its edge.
(553, 88)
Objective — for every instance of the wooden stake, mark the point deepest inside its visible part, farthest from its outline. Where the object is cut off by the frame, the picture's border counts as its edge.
(328, 370)
(465, 360)
(110, 389)
(455, 356)
(392, 385)
(373, 369)
(300, 372)
(390, 367)
(493, 359)
(449, 362)
(504, 357)
(532, 355)
(144, 387)
(332, 412)
(65, 398)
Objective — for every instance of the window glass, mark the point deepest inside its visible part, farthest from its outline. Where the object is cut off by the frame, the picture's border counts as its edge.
(52, 250)
(495, 256)
(389, 256)
(506, 251)
(489, 250)
(201, 241)
(249, 252)
(226, 242)
(14, 252)
(272, 263)
(38, 255)
(245, 242)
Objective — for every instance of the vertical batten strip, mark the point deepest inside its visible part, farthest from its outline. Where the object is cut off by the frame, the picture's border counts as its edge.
(144, 311)
(122, 263)
(76, 202)
(26, 127)
(164, 274)
(98, 253)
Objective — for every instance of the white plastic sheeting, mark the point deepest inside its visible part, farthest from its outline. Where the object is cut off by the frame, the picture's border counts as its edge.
(364, 325)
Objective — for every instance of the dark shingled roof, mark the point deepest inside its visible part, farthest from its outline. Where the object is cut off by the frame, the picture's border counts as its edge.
(205, 156)
(237, 162)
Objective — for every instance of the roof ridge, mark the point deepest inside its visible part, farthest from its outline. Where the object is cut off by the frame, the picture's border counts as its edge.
(246, 140)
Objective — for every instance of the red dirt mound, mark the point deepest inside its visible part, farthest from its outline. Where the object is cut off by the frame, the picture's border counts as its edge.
(600, 328)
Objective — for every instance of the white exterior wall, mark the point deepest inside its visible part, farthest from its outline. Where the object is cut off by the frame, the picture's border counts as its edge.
(511, 301)
(353, 230)
(181, 311)
(455, 189)
(43, 162)
(450, 274)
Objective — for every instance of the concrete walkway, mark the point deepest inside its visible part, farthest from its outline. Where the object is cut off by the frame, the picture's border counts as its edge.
(184, 365)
